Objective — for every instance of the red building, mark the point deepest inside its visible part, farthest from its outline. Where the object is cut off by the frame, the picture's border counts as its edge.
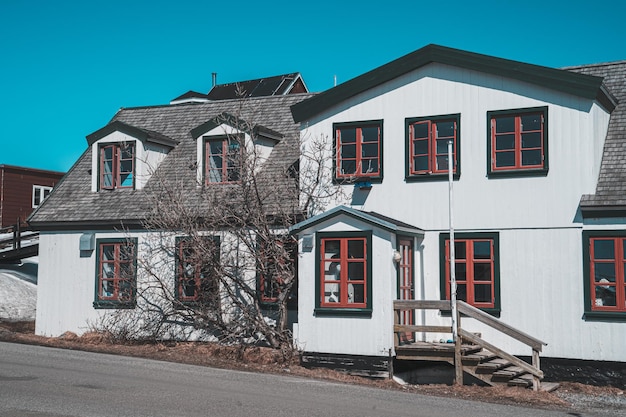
(22, 190)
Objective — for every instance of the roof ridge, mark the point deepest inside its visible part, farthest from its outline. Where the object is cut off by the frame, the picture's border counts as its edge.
(599, 64)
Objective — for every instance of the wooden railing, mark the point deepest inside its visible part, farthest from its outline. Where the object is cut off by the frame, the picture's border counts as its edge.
(11, 247)
(466, 310)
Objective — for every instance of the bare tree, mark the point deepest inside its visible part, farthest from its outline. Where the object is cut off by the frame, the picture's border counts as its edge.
(218, 261)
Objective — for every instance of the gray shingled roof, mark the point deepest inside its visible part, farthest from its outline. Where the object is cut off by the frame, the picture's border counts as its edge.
(611, 189)
(73, 204)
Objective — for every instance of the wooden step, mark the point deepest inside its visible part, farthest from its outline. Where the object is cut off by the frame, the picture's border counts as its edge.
(492, 366)
(478, 357)
(520, 382)
(506, 374)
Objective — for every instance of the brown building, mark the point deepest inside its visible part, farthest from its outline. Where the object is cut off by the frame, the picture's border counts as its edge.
(22, 190)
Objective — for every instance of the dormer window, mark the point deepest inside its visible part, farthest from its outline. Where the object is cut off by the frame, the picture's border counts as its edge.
(117, 166)
(223, 158)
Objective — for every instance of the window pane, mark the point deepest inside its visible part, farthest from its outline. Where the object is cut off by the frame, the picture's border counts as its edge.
(505, 159)
(531, 140)
(356, 293)
(107, 175)
(356, 271)
(369, 150)
(369, 165)
(604, 249)
(604, 272)
(348, 151)
(531, 157)
(460, 250)
(420, 147)
(420, 163)
(347, 135)
(348, 167)
(331, 293)
(531, 122)
(370, 134)
(505, 124)
(442, 162)
(216, 147)
(504, 142)
(108, 252)
(420, 130)
(605, 296)
(108, 270)
(460, 271)
(356, 249)
(482, 293)
(107, 288)
(482, 272)
(461, 292)
(442, 146)
(445, 129)
(482, 249)
(126, 152)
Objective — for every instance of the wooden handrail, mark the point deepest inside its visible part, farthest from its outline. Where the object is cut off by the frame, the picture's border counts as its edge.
(421, 305)
(491, 321)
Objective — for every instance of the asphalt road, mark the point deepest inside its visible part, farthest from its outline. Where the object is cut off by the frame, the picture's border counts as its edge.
(46, 382)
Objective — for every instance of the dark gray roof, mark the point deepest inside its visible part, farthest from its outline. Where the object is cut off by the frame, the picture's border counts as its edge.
(74, 205)
(581, 85)
(610, 196)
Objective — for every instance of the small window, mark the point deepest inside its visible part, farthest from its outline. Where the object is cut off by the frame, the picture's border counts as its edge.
(358, 150)
(427, 146)
(223, 159)
(116, 277)
(476, 269)
(117, 166)
(605, 283)
(518, 141)
(276, 259)
(344, 271)
(197, 266)
(40, 193)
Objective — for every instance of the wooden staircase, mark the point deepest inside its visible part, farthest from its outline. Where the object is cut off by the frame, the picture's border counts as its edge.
(471, 354)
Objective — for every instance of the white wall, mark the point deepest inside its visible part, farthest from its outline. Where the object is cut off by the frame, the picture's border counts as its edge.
(537, 218)
(356, 335)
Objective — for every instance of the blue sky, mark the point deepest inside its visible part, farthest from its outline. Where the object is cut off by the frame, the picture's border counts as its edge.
(66, 67)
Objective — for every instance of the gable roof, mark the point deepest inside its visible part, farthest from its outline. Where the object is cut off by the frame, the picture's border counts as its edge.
(74, 206)
(583, 85)
(136, 132)
(372, 218)
(610, 196)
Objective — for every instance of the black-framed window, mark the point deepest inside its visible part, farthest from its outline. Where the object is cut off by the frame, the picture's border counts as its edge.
(197, 266)
(116, 166)
(517, 142)
(427, 147)
(604, 263)
(358, 148)
(116, 273)
(477, 269)
(276, 260)
(344, 272)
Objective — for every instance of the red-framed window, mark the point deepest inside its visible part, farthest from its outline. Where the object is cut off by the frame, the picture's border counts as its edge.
(607, 284)
(518, 140)
(278, 259)
(344, 272)
(476, 267)
(428, 144)
(197, 265)
(223, 159)
(116, 272)
(117, 166)
(358, 150)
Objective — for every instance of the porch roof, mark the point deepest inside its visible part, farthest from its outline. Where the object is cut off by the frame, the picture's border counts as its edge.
(370, 217)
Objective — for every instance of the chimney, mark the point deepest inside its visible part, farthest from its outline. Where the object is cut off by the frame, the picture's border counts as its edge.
(214, 79)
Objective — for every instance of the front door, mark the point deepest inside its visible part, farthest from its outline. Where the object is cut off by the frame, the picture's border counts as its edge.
(405, 285)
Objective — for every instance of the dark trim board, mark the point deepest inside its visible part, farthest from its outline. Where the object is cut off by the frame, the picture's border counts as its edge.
(599, 373)
(360, 365)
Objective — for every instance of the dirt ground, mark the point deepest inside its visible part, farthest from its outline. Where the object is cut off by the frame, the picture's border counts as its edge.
(570, 397)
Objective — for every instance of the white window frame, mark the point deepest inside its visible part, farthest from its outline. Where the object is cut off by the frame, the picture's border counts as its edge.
(41, 191)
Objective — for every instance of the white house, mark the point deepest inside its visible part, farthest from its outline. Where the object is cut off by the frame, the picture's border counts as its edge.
(538, 203)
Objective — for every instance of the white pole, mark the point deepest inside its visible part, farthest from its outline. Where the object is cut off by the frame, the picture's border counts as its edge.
(451, 245)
